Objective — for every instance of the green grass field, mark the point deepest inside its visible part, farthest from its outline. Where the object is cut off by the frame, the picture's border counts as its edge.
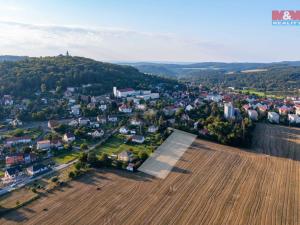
(66, 157)
(116, 144)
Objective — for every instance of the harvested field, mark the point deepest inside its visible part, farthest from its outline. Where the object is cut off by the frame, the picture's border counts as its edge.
(161, 162)
(277, 140)
(210, 184)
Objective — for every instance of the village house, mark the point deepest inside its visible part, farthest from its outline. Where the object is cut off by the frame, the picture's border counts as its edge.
(56, 143)
(101, 119)
(73, 123)
(17, 140)
(68, 138)
(284, 110)
(52, 124)
(293, 118)
(14, 159)
(96, 133)
(273, 117)
(113, 119)
(103, 107)
(7, 100)
(75, 110)
(152, 129)
(37, 169)
(12, 174)
(83, 121)
(135, 122)
(125, 156)
(138, 139)
(16, 123)
(43, 145)
(123, 93)
(123, 130)
(125, 109)
(253, 115)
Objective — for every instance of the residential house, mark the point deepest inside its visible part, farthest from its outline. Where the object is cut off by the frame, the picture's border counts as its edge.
(284, 110)
(125, 109)
(189, 108)
(138, 139)
(14, 159)
(135, 122)
(101, 119)
(123, 93)
(273, 117)
(75, 110)
(17, 140)
(103, 107)
(16, 123)
(43, 145)
(113, 119)
(293, 118)
(68, 138)
(141, 107)
(229, 111)
(83, 121)
(29, 158)
(37, 169)
(123, 130)
(96, 133)
(7, 100)
(297, 109)
(56, 143)
(253, 115)
(73, 123)
(53, 124)
(125, 156)
(12, 174)
(130, 167)
(152, 129)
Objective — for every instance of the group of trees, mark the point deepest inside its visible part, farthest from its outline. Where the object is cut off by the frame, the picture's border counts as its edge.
(25, 77)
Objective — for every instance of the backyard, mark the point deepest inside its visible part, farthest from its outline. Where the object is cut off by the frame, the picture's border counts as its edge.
(117, 143)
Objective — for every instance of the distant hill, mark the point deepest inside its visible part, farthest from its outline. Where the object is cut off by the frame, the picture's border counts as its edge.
(23, 78)
(272, 76)
(11, 58)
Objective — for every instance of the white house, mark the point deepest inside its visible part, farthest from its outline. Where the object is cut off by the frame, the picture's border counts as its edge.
(43, 145)
(152, 129)
(18, 140)
(16, 123)
(37, 169)
(73, 123)
(103, 107)
(68, 137)
(123, 130)
(135, 122)
(273, 117)
(124, 156)
(297, 108)
(12, 174)
(253, 115)
(138, 139)
(122, 93)
(189, 108)
(96, 133)
(101, 119)
(228, 110)
(293, 118)
(75, 110)
(83, 121)
(112, 119)
(125, 109)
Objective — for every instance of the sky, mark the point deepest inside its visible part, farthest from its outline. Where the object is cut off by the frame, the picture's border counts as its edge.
(149, 30)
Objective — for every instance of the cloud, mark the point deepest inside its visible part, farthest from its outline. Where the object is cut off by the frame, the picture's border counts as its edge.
(104, 43)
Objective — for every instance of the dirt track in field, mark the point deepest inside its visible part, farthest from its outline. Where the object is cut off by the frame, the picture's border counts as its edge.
(276, 140)
(210, 184)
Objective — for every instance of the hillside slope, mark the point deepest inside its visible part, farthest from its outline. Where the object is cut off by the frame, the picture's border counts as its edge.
(23, 78)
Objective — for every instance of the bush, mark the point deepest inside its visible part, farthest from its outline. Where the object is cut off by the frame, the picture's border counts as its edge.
(71, 175)
(54, 179)
(33, 190)
(83, 147)
(143, 155)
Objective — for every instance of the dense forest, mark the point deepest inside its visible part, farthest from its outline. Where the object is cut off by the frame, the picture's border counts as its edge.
(279, 76)
(24, 77)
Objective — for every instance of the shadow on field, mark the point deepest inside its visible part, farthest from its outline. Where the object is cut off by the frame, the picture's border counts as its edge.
(276, 140)
(14, 216)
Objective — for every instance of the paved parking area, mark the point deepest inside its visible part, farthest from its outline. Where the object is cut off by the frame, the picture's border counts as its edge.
(161, 162)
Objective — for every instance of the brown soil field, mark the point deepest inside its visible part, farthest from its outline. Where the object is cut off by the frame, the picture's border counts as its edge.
(277, 140)
(210, 184)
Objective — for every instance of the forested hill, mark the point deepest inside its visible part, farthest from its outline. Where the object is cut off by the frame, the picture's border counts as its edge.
(23, 78)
